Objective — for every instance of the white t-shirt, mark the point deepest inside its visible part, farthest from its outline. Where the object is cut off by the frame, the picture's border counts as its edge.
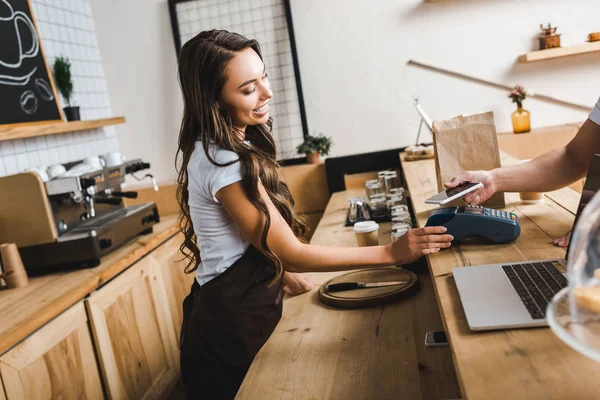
(218, 238)
(595, 114)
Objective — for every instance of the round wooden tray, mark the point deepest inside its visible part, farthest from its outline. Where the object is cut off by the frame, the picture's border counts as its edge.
(369, 297)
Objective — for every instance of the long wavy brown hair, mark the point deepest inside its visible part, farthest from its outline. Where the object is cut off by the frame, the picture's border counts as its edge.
(202, 63)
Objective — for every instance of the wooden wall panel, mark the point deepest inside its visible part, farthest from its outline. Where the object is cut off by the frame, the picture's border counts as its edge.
(357, 181)
(308, 185)
(165, 198)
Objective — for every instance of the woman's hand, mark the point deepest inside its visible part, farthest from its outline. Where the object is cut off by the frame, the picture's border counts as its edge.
(480, 195)
(295, 284)
(419, 242)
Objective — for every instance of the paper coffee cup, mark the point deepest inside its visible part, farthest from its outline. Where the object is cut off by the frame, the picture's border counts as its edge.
(367, 233)
(530, 197)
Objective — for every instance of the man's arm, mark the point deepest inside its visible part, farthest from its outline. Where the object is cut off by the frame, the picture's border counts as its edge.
(548, 172)
(555, 169)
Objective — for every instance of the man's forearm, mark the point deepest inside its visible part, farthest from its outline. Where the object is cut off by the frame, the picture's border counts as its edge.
(548, 172)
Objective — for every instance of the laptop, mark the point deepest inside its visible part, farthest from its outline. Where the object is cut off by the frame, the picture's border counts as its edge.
(516, 295)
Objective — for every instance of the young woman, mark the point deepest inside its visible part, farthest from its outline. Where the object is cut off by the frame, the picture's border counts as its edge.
(241, 233)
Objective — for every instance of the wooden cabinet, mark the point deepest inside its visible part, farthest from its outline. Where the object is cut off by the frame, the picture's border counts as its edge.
(132, 328)
(2, 395)
(55, 362)
(177, 283)
(134, 320)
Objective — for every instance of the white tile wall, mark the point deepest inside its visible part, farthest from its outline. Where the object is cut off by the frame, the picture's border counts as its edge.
(66, 28)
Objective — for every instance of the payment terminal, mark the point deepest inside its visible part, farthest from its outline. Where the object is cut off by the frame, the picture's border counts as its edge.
(469, 222)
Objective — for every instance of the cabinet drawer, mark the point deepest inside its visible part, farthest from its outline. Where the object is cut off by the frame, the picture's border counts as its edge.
(131, 323)
(57, 361)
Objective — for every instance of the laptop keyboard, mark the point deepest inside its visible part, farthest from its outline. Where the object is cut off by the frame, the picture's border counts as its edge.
(536, 284)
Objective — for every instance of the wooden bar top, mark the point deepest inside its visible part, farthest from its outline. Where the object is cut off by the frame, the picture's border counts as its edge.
(24, 310)
(319, 352)
(506, 364)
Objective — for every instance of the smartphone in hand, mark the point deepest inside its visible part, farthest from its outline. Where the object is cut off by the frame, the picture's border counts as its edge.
(455, 193)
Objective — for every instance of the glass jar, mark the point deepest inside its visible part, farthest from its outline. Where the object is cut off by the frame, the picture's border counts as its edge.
(374, 188)
(358, 209)
(521, 121)
(396, 210)
(394, 200)
(381, 175)
(378, 204)
(404, 217)
(391, 181)
(399, 191)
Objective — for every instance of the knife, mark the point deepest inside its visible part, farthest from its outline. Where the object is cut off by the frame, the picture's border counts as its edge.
(339, 287)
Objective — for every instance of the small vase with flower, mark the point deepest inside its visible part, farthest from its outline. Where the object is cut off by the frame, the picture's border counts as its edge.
(521, 119)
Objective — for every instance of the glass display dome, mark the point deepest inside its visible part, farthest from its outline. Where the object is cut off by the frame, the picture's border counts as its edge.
(574, 313)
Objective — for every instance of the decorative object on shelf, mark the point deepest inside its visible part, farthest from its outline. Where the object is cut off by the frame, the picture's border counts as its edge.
(521, 119)
(314, 146)
(62, 76)
(594, 37)
(549, 38)
(557, 52)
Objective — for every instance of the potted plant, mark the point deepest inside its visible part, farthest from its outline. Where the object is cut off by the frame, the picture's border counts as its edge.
(314, 146)
(521, 119)
(62, 77)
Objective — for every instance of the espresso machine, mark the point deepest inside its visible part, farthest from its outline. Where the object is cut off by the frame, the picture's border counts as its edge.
(72, 220)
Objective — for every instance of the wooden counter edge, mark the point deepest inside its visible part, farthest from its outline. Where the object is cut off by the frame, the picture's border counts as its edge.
(88, 285)
(47, 314)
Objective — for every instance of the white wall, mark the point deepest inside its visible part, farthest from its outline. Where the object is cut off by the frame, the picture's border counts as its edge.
(358, 88)
(139, 61)
(353, 54)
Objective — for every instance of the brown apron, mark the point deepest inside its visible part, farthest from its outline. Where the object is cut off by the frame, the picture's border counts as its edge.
(225, 323)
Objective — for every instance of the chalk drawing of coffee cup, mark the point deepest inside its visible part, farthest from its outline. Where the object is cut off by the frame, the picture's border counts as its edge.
(16, 24)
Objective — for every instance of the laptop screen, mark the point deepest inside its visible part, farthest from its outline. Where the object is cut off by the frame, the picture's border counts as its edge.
(591, 186)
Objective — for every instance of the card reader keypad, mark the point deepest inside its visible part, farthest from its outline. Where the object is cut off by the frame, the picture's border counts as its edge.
(498, 213)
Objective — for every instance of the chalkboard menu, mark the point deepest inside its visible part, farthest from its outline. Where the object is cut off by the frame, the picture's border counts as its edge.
(26, 91)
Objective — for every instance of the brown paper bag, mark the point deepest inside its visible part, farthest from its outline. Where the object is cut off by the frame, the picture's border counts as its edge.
(466, 143)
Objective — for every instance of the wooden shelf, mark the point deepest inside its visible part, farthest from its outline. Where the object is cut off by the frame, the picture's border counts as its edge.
(559, 52)
(27, 130)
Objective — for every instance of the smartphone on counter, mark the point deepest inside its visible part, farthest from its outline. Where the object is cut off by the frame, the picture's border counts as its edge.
(455, 193)
(436, 338)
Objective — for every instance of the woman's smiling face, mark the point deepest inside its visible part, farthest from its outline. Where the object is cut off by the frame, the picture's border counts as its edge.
(246, 92)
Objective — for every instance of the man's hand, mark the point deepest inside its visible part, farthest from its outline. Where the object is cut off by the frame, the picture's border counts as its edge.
(480, 195)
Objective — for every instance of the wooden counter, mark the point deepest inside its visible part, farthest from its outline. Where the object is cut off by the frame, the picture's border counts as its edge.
(508, 364)
(24, 310)
(319, 352)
